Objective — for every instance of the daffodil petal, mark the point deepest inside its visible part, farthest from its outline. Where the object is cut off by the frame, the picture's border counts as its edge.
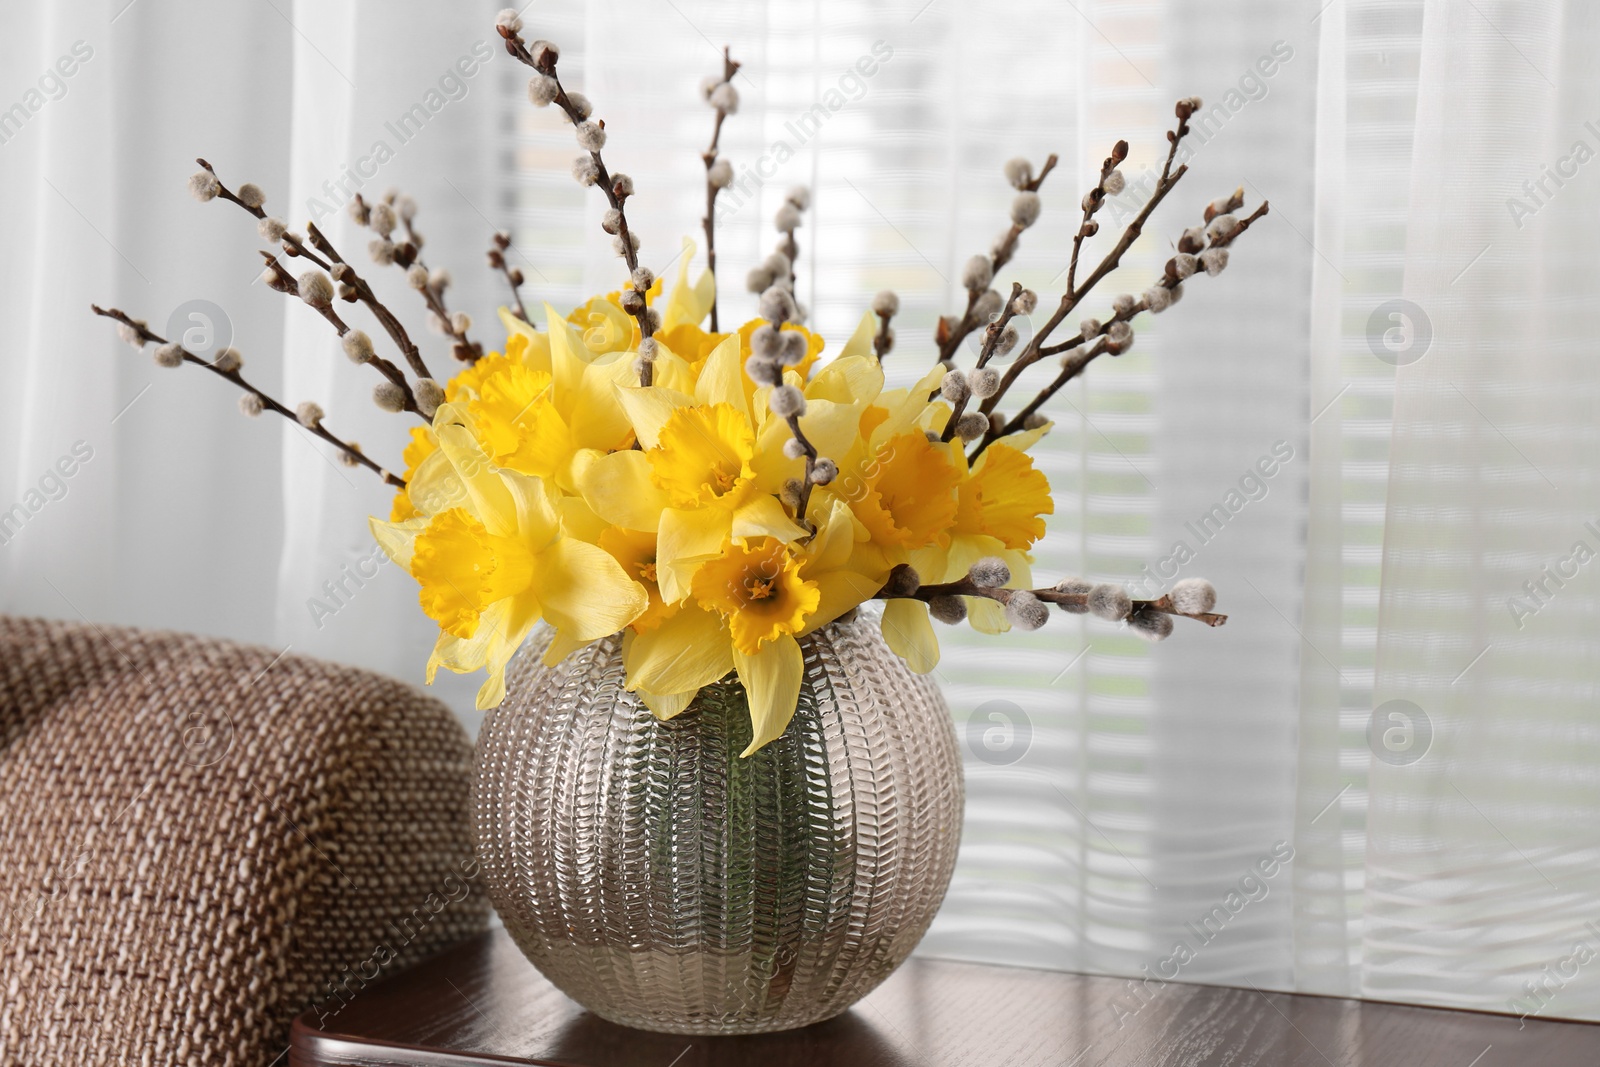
(685, 539)
(538, 523)
(909, 633)
(667, 705)
(620, 490)
(850, 379)
(722, 378)
(585, 592)
(688, 304)
(397, 539)
(771, 681)
(763, 516)
(463, 655)
(860, 343)
(568, 354)
(435, 486)
(649, 408)
(490, 499)
(561, 646)
(689, 650)
(519, 619)
(598, 421)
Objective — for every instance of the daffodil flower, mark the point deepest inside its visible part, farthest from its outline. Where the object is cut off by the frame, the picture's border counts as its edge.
(497, 561)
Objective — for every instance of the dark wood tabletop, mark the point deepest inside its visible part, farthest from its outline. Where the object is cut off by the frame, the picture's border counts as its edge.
(483, 1003)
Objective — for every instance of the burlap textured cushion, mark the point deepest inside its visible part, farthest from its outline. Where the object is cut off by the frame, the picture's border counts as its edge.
(199, 841)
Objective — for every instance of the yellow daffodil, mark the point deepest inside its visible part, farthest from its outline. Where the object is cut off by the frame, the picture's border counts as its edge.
(494, 564)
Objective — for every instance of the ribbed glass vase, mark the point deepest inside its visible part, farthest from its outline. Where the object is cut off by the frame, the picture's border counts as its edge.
(665, 883)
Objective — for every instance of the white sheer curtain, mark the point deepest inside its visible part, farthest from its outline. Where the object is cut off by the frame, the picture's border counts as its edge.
(1377, 522)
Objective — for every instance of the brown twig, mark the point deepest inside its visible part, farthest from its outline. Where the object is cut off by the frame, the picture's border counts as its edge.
(948, 337)
(513, 275)
(616, 191)
(730, 67)
(363, 292)
(285, 283)
(355, 454)
(1079, 602)
(292, 245)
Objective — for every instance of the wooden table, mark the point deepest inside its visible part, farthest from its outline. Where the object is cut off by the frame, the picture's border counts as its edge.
(482, 1003)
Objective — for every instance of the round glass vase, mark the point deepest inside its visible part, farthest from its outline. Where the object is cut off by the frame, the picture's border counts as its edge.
(666, 883)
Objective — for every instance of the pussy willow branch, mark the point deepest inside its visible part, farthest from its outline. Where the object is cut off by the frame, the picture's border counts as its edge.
(967, 587)
(811, 463)
(292, 245)
(990, 341)
(465, 349)
(730, 67)
(1092, 203)
(1001, 256)
(285, 283)
(1072, 368)
(267, 402)
(615, 196)
(386, 318)
(513, 275)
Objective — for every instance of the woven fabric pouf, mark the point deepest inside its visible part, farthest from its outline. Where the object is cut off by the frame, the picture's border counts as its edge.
(201, 840)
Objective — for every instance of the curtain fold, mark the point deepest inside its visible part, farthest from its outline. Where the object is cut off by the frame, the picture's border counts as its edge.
(1375, 780)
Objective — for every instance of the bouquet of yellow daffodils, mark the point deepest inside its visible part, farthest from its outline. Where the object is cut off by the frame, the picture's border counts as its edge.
(714, 497)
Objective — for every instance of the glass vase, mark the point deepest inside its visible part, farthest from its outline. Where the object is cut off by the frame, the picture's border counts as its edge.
(666, 883)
